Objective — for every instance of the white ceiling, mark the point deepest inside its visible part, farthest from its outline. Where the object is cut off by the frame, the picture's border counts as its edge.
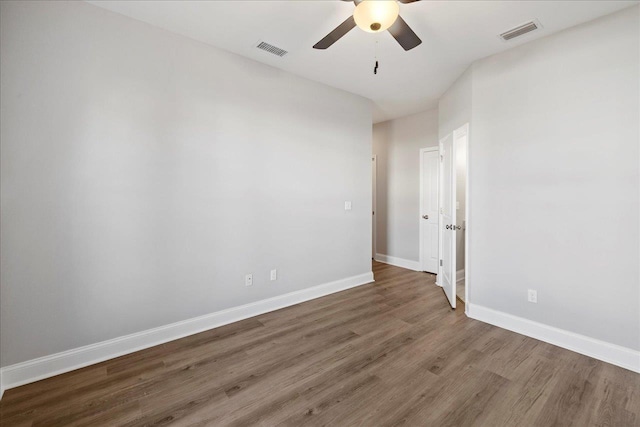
(453, 33)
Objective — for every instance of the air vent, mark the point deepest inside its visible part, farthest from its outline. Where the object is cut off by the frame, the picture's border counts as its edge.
(271, 49)
(520, 30)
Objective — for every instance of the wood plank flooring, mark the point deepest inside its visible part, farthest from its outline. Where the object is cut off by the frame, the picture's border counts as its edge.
(385, 354)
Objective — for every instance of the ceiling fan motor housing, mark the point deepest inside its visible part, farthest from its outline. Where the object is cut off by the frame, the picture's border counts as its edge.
(376, 15)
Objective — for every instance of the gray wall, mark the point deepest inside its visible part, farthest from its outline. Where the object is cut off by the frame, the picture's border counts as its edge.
(554, 172)
(143, 174)
(397, 144)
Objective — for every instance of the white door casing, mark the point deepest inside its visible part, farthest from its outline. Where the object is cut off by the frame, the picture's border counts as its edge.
(447, 271)
(429, 177)
(461, 139)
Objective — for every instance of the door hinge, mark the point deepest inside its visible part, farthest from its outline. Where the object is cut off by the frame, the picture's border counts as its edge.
(440, 263)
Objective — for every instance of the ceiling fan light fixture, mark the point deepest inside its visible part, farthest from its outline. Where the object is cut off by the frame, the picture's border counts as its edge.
(374, 16)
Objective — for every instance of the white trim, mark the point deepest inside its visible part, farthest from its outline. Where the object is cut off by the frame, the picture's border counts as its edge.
(451, 295)
(440, 223)
(601, 350)
(463, 131)
(48, 366)
(1, 387)
(467, 216)
(421, 255)
(399, 262)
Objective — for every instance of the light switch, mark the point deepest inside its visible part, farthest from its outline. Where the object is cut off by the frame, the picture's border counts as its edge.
(347, 206)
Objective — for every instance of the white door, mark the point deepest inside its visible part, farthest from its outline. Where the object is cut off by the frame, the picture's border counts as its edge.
(429, 167)
(447, 277)
(374, 166)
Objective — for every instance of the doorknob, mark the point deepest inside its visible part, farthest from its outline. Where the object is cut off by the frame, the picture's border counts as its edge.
(425, 216)
(448, 227)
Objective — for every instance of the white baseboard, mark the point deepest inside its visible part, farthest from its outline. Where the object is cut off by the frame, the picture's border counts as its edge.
(55, 364)
(1, 386)
(611, 353)
(460, 275)
(399, 262)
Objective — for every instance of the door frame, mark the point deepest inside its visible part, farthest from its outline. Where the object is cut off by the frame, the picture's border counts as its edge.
(422, 151)
(441, 226)
(462, 131)
(374, 205)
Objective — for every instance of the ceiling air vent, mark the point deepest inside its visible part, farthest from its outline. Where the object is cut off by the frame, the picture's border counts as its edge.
(520, 30)
(271, 49)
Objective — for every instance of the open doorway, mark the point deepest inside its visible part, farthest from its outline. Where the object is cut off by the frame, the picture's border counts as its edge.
(374, 170)
(453, 227)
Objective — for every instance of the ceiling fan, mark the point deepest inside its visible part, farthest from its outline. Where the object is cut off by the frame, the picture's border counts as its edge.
(375, 16)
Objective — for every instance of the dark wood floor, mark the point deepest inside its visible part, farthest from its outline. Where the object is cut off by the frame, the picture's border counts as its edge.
(389, 353)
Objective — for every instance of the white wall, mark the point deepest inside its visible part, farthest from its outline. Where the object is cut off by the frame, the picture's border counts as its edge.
(454, 107)
(554, 177)
(143, 174)
(397, 144)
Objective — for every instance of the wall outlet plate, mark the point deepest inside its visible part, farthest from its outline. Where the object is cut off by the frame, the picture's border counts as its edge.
(248, 280)
(274, 274)
(532, 296)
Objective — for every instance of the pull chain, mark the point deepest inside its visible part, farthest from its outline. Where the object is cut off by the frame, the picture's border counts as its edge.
(375, 55)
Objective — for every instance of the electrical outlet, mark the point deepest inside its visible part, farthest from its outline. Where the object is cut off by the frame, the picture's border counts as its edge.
(347, 206)
(274, 274)
(532, 296)
(248, 280)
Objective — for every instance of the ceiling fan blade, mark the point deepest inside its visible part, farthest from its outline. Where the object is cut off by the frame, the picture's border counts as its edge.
(407, 1)
(336, 34)
(404, 34)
